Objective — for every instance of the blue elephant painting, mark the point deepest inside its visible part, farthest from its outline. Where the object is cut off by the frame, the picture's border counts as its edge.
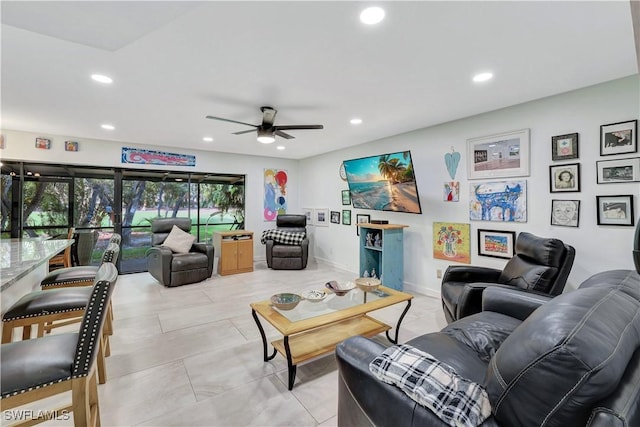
(498, 201)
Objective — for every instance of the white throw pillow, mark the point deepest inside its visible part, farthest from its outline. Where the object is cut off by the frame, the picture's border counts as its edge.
(179, 241)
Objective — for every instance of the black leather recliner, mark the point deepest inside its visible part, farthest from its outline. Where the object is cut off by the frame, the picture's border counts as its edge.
(571, 360)
(540, 265)
(176, 269)
(288, 257)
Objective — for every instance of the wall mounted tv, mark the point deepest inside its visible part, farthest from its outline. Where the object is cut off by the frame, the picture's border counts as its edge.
(385, 182)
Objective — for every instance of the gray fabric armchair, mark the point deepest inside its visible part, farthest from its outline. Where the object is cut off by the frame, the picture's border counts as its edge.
(540, 265)
(176, 269)
(288, 257)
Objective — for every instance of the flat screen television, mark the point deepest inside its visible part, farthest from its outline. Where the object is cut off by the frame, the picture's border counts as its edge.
(385, 182)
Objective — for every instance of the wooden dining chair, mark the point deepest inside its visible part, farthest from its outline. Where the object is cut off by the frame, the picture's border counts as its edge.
(63, 259)
(36, 369)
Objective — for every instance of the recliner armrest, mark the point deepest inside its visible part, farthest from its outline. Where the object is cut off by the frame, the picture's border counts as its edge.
(470, 273)
(159, 263)
(206, 249)
(512, 302)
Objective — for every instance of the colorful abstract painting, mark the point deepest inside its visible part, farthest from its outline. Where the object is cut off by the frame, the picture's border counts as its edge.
(451, 191)
(275, 193)
(451, 242)
(151, 157)
(498, 201)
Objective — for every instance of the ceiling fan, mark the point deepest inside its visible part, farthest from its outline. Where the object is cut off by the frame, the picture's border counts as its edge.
(267, 131)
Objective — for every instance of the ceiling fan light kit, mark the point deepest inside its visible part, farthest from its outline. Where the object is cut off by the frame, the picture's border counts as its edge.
(265, 137)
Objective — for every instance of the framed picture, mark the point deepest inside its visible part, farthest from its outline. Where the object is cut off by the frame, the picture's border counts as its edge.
(346, 217)
(346, 197)
(565, 212)
(619, 138)
(2, 141)
(503, 201)
(335, 217)
(361, 219)
(43, 143)
(564, 178)
(308, 212)
(451, 242)
(615, 210)
(623, 170)
(451, 191)
(499, 156)
(564, 147)
(321, 217)
(70, 146)
(497, 244)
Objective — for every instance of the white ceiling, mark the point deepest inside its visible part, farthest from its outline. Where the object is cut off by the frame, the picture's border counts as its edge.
(173, 63)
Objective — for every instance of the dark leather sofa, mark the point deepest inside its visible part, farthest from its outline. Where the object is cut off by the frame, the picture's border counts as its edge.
(288, 257)
(572, 360)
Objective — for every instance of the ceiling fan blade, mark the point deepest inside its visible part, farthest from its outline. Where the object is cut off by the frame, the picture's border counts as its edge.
(268, 116)
(283, 135)
(231, 121)
(244, 131)
(290, 127)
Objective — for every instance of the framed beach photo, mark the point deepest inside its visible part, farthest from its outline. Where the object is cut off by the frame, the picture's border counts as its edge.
(499, 156)
(565, 213)
(346, 217)
(564, 147)
(619, 138)
(43, 143)
(346, 197)
(308, 212)
(335, 217)
(623, 170)
(321, 217)
(564, 178)
(361, 219)
(615, 210)
(496, 244)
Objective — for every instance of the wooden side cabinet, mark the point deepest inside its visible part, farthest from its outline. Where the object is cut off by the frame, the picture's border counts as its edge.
(381, 253)
(234, 250)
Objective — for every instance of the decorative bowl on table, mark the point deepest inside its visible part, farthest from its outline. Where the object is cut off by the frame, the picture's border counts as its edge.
(285, 301)
(313, 295)
(340, 288)
(367, 284)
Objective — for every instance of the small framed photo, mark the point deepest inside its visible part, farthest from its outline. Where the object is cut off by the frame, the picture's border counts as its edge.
(346, 197)
(564, 147)
(615, 210)
(70, 146)
(361, 219)
(619, 138)
(564, 178)
(346, 217)
(308, 212)
(335, 217)
(565, 212)
(623, 170)
(321, 217)
(43, 143)
(495, 243)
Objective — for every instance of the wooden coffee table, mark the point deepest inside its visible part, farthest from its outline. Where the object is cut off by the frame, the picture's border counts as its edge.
(313, 329)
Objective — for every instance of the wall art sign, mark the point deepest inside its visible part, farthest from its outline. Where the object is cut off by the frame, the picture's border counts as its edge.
(623, 170)
(499, 156)
(498, 201)
(275, 193)
(451, 242)
(152, 157)
(564, 147)
(497, 244)
(565, 212)
(619, 138)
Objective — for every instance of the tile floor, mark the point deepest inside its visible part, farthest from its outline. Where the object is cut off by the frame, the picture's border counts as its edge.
(192, 355)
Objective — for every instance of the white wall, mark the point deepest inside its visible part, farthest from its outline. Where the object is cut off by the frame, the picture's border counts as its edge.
(583, 111)
(21, 146)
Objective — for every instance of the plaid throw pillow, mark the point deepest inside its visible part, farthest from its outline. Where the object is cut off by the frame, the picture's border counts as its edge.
(455, 400)
(284, 237)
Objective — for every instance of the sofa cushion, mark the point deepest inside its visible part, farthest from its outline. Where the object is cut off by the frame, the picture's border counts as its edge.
(433, 384)
(179, 241)
(569, 354)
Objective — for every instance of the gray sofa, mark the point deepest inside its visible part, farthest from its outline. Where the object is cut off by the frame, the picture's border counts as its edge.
(572, 360)
(288, 257)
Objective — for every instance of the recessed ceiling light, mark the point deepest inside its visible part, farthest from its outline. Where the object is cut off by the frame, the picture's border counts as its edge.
(372, 15)
(280, 147)
(355, 121)
(207, 139)
(102, 79)
(482, 77)
(107, 127)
